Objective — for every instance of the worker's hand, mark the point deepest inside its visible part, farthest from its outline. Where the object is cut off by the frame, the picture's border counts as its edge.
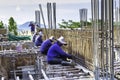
(70, 56)
(68, 59)
(65, 44)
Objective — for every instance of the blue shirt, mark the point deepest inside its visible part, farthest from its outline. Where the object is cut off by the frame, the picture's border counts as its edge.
(34, 36)
(45, 46)
(32, 27)
(56, 51)
(38, 41)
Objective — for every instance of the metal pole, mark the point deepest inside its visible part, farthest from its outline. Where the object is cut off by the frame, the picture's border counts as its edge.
(119, 21)
(54, 15)
(108, 40)
(48, 11)
(102, 35)
(37, 17)
(106, 35)
(112, 39)
(13, 65)
(83, 17)
(39, 66)
(95, 16)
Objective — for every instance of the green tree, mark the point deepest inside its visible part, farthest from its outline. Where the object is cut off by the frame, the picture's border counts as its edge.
(69, 24)
(64, 24)
(12, 26)
(1, 24)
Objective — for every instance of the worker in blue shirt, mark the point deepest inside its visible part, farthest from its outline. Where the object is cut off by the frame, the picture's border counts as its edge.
(32, 25)
(46, 45)
(38, 40)
(34, 36)
(55, 53)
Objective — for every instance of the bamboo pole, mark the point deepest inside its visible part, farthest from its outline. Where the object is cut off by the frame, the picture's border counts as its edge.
(43, 19)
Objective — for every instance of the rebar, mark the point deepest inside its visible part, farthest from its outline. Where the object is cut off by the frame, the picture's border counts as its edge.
(83, 17)
(95, 17)
(48, 11)
(54, 15)
(37, 18)
(106, 38)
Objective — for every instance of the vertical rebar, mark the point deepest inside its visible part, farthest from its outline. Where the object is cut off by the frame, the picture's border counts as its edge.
(102, 35)
(54, 15)
(106, 38)
(48, 11)
(112, 39)
(13, 66)
(119, 22)
(37, 17)
(83, 17)
(95, 17)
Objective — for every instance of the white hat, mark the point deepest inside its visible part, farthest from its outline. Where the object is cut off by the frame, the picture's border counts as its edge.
(61, 40)
(51, 38)
(40, 33)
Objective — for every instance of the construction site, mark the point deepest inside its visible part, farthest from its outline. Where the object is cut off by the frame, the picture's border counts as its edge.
(95, 49)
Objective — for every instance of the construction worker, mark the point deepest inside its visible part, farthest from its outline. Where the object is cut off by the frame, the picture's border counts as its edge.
(34, 36)
(32, 25)
(40, 32)
(39, 40)
(56, 55)
(46, 45)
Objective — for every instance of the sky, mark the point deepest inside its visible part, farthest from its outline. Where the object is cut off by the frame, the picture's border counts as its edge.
(24, 10)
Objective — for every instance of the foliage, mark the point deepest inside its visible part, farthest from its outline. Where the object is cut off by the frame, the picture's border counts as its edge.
(1, 24)
(70, 24)
(12, 26)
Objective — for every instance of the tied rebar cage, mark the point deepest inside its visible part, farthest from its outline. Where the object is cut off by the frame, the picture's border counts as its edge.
(37, 18)
(103, 39)
(83, 17)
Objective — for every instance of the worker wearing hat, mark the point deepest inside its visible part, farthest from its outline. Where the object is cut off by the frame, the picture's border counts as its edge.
(38, 40)
(55, 53)
(32, 25)
(46, 45)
